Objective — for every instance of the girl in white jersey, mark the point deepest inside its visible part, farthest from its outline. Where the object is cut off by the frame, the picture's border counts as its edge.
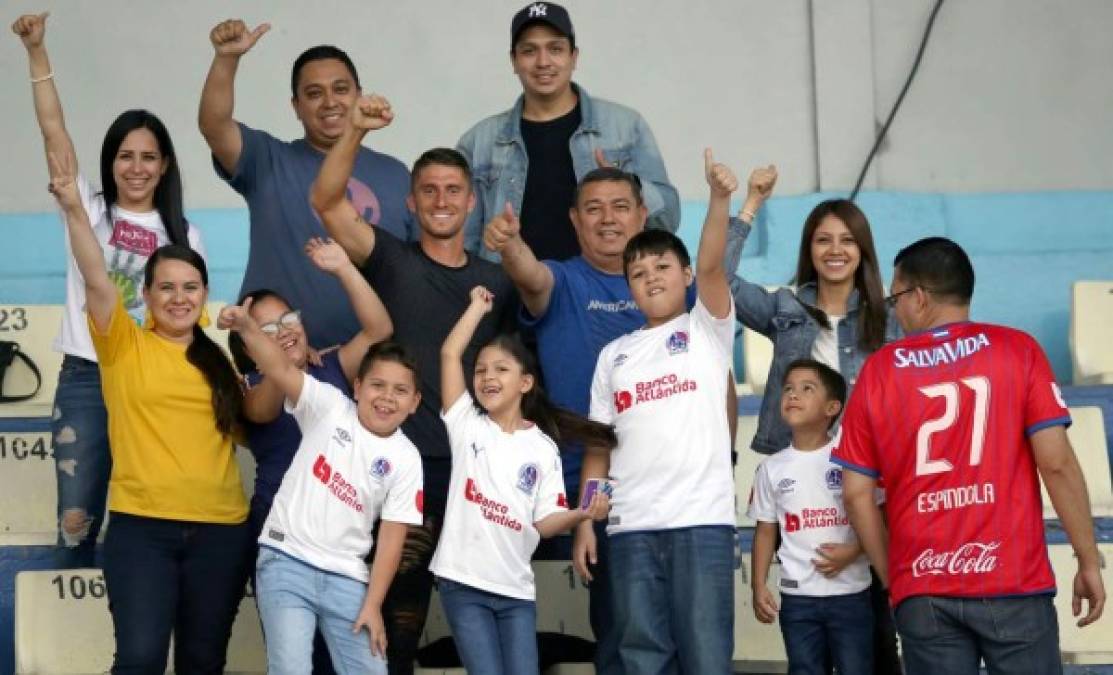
(138, 209)
(506, 492)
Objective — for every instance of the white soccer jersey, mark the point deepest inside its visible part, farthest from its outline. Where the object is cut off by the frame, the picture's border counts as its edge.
(802, 492)
(342, 479)
(664, 389)
(501, 485)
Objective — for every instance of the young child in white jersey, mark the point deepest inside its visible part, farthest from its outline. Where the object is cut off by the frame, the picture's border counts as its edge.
(825, 613)
(354, 467)
(671, 528)
(505, 494)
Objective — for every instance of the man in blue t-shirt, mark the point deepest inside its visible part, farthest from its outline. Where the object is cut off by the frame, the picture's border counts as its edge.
(275, 176)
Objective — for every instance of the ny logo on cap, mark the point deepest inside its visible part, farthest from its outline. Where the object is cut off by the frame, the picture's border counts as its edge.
(538, 9)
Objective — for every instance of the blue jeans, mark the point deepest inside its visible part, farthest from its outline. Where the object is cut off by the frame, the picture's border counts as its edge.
(79, 431)
(673, 594)
(494, 634)
(295, 600)
(949, 635)
(169, 576)
(600, 606)
(819, 631)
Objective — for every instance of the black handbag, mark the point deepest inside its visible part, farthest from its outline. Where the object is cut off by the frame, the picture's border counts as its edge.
(9, 351)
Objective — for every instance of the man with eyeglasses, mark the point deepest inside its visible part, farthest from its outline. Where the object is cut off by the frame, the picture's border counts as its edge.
(957, 419)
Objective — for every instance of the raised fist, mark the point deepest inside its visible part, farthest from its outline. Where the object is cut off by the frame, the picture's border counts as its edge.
(232, 38)
(502, 228)
(31, 28)
(235, 317)
(719, 176)
(481, 296)
(762, 181)
(63, 180)
(371, 113)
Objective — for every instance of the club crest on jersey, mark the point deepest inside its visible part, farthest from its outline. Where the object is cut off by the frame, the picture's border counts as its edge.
(677, 343)
(381, 468)
(527, 478)
(834, 478)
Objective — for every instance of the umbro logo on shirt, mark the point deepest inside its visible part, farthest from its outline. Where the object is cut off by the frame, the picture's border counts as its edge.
(786, 485)
(619, 360)
(342, 436)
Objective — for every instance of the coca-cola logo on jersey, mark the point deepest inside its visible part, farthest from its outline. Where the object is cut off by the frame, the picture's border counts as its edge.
(973, 557)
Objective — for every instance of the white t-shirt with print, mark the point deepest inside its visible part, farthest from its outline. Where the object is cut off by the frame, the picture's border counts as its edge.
(502, 483)
(664, 389)
(127, 240)
(825, 349)
(342, 479)
(802, 492)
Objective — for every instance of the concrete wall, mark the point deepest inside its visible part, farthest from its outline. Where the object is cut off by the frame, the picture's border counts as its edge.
(1012, 94)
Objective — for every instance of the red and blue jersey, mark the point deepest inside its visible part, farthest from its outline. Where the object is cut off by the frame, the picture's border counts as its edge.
(943, 419)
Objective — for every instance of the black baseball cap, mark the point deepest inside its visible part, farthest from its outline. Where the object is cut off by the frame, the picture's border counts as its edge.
(548, 13)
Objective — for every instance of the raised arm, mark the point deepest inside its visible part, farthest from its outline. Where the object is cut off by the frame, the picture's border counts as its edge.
(753, 304)
(453, 380)
(100, 291)
(231, 39)
(265, 352)
(31, 29)
(374, 320)
(711, 278)
(533, 278)
(1061, 473)
(329, 196)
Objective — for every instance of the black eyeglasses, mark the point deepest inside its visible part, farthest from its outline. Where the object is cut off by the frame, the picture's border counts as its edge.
(891, 301)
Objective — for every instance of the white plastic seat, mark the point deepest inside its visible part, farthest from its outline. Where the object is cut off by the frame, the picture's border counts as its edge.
(28, 488)
(1091, 332)
(758, 647)
(744, 470)
(1087, 436)
(62, 624)
(562, 599)
(757, 356)
(34, 327)
(1094, 643)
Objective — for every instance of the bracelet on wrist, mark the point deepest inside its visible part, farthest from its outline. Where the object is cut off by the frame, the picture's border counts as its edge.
(44, 78)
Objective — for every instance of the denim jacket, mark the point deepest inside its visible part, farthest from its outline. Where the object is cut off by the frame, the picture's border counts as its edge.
(780, 316)
(497, 155)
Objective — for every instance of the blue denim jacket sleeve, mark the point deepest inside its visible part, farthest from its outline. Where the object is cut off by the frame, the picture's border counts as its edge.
(661, 198)
(477, 219)
(754, 305)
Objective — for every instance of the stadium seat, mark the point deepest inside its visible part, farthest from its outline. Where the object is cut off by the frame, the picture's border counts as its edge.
(1093, 644)
(744, 471)
(1091, 331)
(33, 327)
(562, 599)
(757, 356)
(27, 489)
(62, 623)
(758, 647)
(1087, 436)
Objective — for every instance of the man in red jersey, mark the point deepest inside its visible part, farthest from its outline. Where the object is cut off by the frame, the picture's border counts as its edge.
(954, 421)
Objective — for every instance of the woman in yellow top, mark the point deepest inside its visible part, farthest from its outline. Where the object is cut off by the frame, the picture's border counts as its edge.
(177, 535)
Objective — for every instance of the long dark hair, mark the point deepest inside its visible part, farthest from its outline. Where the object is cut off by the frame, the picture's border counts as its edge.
(867, 278)
(559, 424)
(168, 192)
(203, 353)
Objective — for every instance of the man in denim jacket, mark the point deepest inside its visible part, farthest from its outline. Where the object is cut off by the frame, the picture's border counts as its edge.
(565, 133)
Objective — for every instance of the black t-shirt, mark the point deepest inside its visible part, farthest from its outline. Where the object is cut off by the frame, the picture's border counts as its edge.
(425, 299)
(550, 183)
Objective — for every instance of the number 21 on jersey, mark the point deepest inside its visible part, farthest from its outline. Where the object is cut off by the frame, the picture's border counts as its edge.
(949, 392)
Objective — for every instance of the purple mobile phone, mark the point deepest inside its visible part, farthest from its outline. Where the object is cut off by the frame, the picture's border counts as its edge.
(594, 485)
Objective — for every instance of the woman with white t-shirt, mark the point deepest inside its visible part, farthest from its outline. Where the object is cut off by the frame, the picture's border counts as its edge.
(138, 210)
(505, 494)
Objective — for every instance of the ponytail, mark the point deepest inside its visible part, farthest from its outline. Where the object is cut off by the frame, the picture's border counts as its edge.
(227, 396)
(563, 426)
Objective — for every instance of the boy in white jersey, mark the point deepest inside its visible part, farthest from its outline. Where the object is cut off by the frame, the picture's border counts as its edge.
(826, 616)
(671, 529)
(353, 467)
